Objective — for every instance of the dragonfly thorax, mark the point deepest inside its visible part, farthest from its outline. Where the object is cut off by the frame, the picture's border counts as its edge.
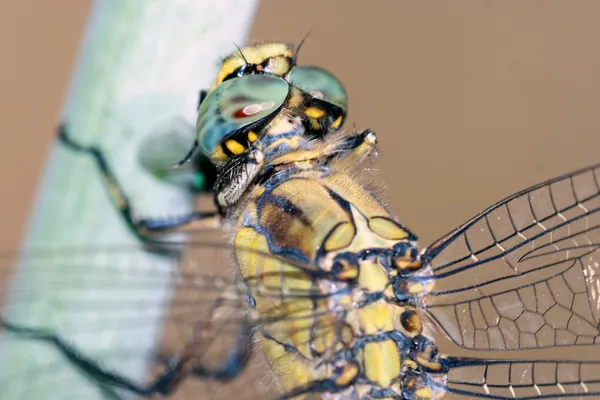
(343, 324)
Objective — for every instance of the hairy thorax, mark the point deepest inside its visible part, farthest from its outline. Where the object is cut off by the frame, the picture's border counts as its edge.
(326, 267)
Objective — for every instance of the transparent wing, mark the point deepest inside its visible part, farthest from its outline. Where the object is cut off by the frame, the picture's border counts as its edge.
(112, 318)
(525, 273)
(523, 379)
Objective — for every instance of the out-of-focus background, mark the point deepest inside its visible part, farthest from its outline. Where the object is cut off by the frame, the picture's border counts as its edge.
(471, 101)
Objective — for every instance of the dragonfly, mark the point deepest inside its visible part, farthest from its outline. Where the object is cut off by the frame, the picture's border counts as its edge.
(331, 297)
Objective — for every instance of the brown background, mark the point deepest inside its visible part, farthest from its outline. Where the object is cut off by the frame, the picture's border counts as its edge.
(471, 101)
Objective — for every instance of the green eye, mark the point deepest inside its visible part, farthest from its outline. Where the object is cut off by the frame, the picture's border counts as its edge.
(319, 84)
(234, 105)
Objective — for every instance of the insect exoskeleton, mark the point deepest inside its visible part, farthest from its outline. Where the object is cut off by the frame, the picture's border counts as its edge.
(257, 88)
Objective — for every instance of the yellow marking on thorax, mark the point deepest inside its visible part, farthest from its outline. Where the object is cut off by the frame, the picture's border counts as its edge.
(320, 220)
(424, 393)
(349, 372)
(381, 362)
(372, 276)
(303, 159)
(387, 228)
(293, 143)
(311, 197)
(318, 151)
(293, 156)
(406, 262)
(375, 318)
(341, 237)
(364, 238)
(416, 288)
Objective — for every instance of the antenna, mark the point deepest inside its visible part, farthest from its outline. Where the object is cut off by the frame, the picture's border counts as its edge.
(242, 54)
(300, 46)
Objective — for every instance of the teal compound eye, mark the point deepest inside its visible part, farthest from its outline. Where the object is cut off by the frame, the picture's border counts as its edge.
(320, 84)
(234, 107)
(327, 109)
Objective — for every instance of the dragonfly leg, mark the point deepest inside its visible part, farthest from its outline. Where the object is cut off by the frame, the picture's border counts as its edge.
(240, 350)
(165, 384)
(355, 149)
(236, 177)
(144, 229)
(106, 379)
(236, 360)
(190, 364)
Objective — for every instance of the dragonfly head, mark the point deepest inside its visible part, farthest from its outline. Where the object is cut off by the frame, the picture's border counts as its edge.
(256, 88)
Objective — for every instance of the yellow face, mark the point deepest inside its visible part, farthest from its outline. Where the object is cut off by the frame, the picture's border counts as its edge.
(267, 58)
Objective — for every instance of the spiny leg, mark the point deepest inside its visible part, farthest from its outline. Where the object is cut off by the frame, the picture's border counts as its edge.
(144, 229)
(354, 149)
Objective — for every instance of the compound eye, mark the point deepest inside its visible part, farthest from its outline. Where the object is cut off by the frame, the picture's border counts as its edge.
(319, 84)
(327, 108)
(235, 105)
